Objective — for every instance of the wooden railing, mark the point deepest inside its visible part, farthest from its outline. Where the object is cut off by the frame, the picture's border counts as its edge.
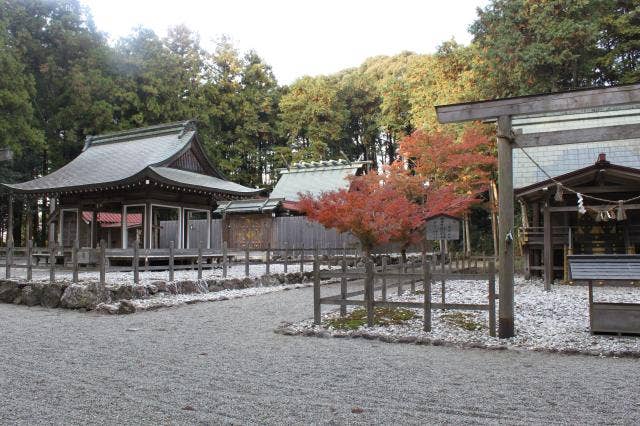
(535, 234)
(421, 271)
(135, 260)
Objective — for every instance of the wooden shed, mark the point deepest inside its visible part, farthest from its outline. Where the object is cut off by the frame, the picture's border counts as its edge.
(276, 221)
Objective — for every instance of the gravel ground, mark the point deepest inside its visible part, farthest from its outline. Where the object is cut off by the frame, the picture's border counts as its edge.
(224, 362)
(545, 321)
(234, 271)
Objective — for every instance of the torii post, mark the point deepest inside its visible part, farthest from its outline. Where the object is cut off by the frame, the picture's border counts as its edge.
(502, 111)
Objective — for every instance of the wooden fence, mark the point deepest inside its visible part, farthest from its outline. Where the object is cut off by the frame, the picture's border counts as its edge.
(418, 272)
(134, 260)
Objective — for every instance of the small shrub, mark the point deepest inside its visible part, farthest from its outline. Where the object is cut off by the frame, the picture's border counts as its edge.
(382, 317)
(462, 320)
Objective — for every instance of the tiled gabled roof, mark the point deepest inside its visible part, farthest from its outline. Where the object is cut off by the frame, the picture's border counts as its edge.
(314, 178)
(120, 157)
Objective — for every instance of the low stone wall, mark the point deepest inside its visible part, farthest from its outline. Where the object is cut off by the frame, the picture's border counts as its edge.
(88, 295)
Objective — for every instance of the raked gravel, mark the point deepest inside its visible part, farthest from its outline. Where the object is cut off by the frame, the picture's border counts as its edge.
(555, 321)
(234, 271)
(216, 363)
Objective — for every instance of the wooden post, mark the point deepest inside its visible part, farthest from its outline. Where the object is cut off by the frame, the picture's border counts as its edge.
(103, 263)
(403, 271)
(426, 286)
(467, 235)
(302, 259)
(384, 278)
(494, 216)
(29, 260)
(268, 260)
(492, 299)
(285, 264)
(547, 248)
(74, 259)
(94, 226)
(413, 280)
(225, 260)
(246, 261)
(52, 261)
(443, 270)
(316, 289)
(9, 260)
(171, 276)
(343, 283)
(591, 306)
(368, 290)
(199, 260)
(9, 227)
(506, 325)
(136, 261)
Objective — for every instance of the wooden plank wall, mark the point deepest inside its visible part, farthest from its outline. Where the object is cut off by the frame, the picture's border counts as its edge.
(296, 231)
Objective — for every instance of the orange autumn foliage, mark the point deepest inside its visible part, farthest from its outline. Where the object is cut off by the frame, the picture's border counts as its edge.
(464, 164)
(446, 177)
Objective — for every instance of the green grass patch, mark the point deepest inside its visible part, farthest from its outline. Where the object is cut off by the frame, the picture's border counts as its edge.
(382, 316)
(462, 320)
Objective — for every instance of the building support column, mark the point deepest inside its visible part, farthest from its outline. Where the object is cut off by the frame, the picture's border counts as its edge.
(94, 226)
(51, 223)
(548, 246)
(10, 221)
(506, 326)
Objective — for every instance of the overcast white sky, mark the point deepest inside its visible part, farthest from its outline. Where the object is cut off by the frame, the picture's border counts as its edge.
(300, 37)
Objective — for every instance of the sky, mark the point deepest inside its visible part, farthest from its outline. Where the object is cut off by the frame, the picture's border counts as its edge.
(302, 37)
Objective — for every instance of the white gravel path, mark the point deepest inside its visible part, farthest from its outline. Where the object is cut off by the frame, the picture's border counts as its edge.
(223, 360)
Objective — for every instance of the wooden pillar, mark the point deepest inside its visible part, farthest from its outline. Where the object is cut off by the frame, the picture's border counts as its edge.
(534, 255)
(94, 226)
(548, 247)
(467, 235)
(29, 224)
(52, 226)
(494, 216)
(10, 222)
(506, 326)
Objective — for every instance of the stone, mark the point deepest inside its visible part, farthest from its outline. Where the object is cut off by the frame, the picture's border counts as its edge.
(51, 294)
(9, 290)
(161, 286)
(232, 284)
(79, 296)
(124, 291)
(215, 285)
(269, 280)
(126, 307)
(140, 292)
(31, 294)
(187, 287)
(248, 283)
(107, 308)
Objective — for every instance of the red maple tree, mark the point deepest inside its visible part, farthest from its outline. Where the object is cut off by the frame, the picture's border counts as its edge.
(445, 176)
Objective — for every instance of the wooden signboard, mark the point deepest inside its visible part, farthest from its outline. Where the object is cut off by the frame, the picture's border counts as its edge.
(443, 227)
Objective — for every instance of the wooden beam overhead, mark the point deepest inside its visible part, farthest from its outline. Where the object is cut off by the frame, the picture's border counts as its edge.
(536, 104)
(591, 134)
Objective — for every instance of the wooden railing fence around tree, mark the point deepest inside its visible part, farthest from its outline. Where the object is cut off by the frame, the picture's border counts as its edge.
(417, 272)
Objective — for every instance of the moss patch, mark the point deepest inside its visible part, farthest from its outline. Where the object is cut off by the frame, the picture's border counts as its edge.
(463, 320)
(382, 316)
